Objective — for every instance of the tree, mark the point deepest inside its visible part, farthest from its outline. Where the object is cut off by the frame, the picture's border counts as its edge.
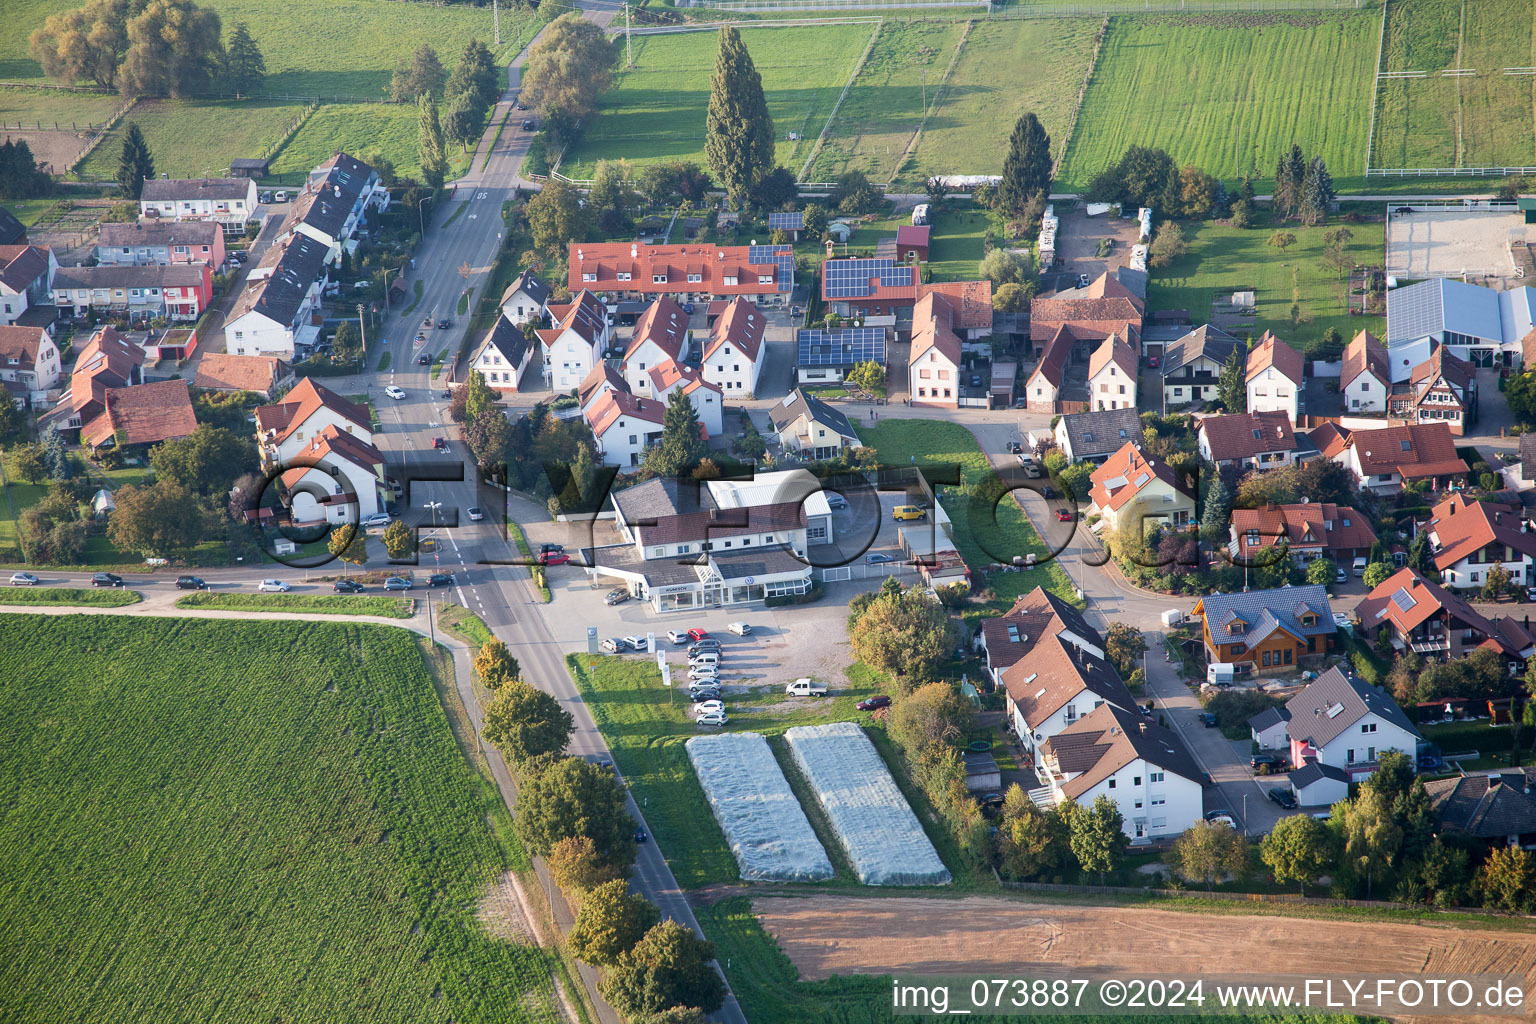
(55, 454)
(556, 217)
(814, 218)
(1298, 850)
(1376, 574)
(475, 76)
(1012, 298)
(489, 437)
(349, 544)
(1282, 240)
(347, 342)
(86, 44)
(431, 148)
(774, 189)
(1322, 571)
(1168, 246)
(610, 197)
(738, 131)
(494, 664)
(135, 164)
(1098, 836)
(28, 463)
(1198, 192)
(1508, 879)
(157, 520)
(420, 78)
(1140, 178)
(682, 443)
(1232, 385)
(610, 922)
(1290, 172)
(20, 176)
(478, 398)
(576, 866)
(1371, 838)
(934, 714)
(173, 50)
(206, 461)
(852, 193)
(568, 68)
(868, 375)
(1336, 255)
(1026, 168)
(903, 633)
(1004, 266)
(523, 722)
(1218, 511)
(1209, 851)
(463, 121)
(1031, 842)
(1124, 646)
(668, 967)
(1316, 192)
(245, 69)
(399, 540)
(571, 797)
(1496, 584)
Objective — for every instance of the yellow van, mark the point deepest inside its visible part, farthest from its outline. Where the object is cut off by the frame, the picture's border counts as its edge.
(908, 512)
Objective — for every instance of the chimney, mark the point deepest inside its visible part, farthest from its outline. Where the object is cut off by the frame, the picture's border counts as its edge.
(634, 251)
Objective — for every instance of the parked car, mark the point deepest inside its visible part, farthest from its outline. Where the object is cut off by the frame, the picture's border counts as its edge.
(1153, 361)
(836, 502)
(706, 660)
(474, 513)
(424, 360)
(616, 596)
(704, 647)
(397, 583)
(551, 547)
(905, 512)
(612, 645)
(377, 519)
(440, 579)
(347, 587)
(554, 558)
(704, 674)
(1014, 448)
(191, 583)
(1284, 797)
(706, 706)
(280, 196)
(704, 689)
(265, 197)
(1222, 819)
(740, 628)
(677, 636)
(1340, 576)
(1207, 719)
(877, 558)
(806, 688)
(1048, 491)
(636, 643)
(394, 392)
(1266, 764)
(872, 703)
(23, 579)
(698, 634)
(106, 579)
(688, 308)
(273, 587)
(1064, 515)
(712, 718)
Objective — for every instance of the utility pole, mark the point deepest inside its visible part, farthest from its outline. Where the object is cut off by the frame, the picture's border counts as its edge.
(629, 41)
(496, 15)
(361, 329)
(925, 94)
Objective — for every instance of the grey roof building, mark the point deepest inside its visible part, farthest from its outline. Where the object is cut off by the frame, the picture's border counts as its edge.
(799, 411)
(1498, 807)
(279, 298)
(1206, 341)
(194, 189)
(1264, 611)
(1095, 436)
(12, 231)
(1334, 702)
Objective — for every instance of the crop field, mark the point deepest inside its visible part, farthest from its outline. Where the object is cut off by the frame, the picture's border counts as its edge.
(386, 607)
(353, 127)
(1222, 259)
(657, 111)
(240, 822)
(193, 138)
(69, 596)
(1229, 91)
(992, 86)
(1484, 119)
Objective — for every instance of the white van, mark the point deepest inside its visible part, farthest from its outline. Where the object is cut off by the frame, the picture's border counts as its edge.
(1360, 566)
(704, 658)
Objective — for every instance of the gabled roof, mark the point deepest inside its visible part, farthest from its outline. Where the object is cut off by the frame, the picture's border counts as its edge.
(507, 340)
(1413, 451)
(222, 371)
(1329, 439)
(611, 406)
(177, 275)
(1013, 634)
(159, 190)
(1109, 738)
(1315, 771)
(338, 444)
(158, 233)
(1247, 435)
(12, 231)
(1363, 354)
(1271, 351)
(1456, 372)
(531, 285)
(669, 372)
(107, 361)
(741, 324)
(583, 314)
(1263, 611)
(664, 324)
(1101, 432)
(1432, 307)
(22, 345)
(1528, 455)
(301, 403)
(1126, 474)
(711, 263)
(603, 375)
(1303, 525)
(970, 302)
(931, 318)
(912, 234)
(1271, 716)
(1113, 349)
(1058, 667)
(1462, 527)
(143, 414)
(1052, 367)
(20, 265)
(1105, 305)
(661, 497)
(797, 403)
(1206, 341)
(1333, 702)
(295, 267)
(1493, 805)
(1406, 599)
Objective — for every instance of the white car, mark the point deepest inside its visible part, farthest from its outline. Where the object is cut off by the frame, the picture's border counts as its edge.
(1222, 819)
(678, 637)
(636, 643)
(273, 586)
(377, 519)
(740, 629)
(702, 672)
(393, 392)
(23, 579)
(711, 718)
(704, 707)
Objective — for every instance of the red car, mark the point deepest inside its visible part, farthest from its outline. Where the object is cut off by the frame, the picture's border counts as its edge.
(871, 703)
(1064, 516)
(553, 558)
(698, 634)
(1152, 361)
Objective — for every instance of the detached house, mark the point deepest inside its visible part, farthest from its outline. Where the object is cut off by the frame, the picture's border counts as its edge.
(1382, 460)
(1095, 436)
(1347, 724)
(503, 356)
(1264, 631)
(706, 399)
(140, 415)
(933, 367)
(1254, 440)
(1192, 365)
(160, 243)
(1497, 807)
(26, 282)
(1274, 377)
(1423, 617)
(1470, 538)
(661, 336)
(105, 362)
(525, 300)
(266, 376)
(1442, 389)
(576, 343)
(624, 425)
(1308, 530)
(227, 201)
(734, 355)
(1142, 767)
(322, 445)
(29, 363)
(1366, 378)
(806, 424)
(1112, 375)
(1130, 483)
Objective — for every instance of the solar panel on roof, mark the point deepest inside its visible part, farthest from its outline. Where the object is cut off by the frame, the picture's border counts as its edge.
(787, 221)
(782, 257)
(850, 278)
(818, 347)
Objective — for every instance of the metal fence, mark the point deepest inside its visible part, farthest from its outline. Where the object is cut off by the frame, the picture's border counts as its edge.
(1043, 10)
(1446, 172)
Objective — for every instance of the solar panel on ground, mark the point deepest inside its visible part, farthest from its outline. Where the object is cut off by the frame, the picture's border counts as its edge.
(782, 256)
(850, 278)
(818, 347)
(787, 221)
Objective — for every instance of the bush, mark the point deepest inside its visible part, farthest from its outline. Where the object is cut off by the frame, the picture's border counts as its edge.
(814, 594)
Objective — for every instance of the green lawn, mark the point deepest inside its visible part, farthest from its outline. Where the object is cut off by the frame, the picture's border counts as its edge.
(957, 243)
(354, 127)
(94, 596)
(904, 442)
(990, 89)
(53, 106)
(232, 822)
(192, 138)
(1222, 259)
(657, 111)
(330, 604)
(1228, 91)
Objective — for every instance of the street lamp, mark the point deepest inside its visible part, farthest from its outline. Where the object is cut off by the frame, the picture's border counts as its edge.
(420, 216)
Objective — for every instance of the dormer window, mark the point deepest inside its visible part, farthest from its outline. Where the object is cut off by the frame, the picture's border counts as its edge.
(1238, 628)
(658, 279)
(624, 275)
(588, 275)
(1309, 620)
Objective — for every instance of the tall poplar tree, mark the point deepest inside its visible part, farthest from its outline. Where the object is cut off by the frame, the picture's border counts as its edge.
(136, 164)
(430, 145)
(738, 131)
(1027, 167)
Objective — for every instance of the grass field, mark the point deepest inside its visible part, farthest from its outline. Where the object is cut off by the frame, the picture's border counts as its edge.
(968, 129)
(1226, 91)
(238, 822)
(1221, 259)
(1483, 120)
(339, 604)
(93, 596)
(194, 138)
(932, 443)
(53, 106)
(657, 111)
(353, 127)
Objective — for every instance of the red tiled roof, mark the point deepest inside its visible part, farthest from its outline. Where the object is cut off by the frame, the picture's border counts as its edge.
(221, 371)
(331, 442)
(1457, 372)
(1106, 306)
(970, 302)
(1366, 353)
(603, 373)
(1271, 351)
(664, 375)
(931, 318)
(106, 361)
(900, 294)
(143, 414)
(642, 262)
(1306, 525)
(1130, 472)
(1329, 439)
(1113, 350)
(1407, 599)
(21, 344)
(583, 314)
(913, 234)
(1462, 527)
(20, 265)
(1246, 435)
(611, 405)
(302, 402)
(1413, 451)
(741, 324)
(1056, 354)
(663, 323)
